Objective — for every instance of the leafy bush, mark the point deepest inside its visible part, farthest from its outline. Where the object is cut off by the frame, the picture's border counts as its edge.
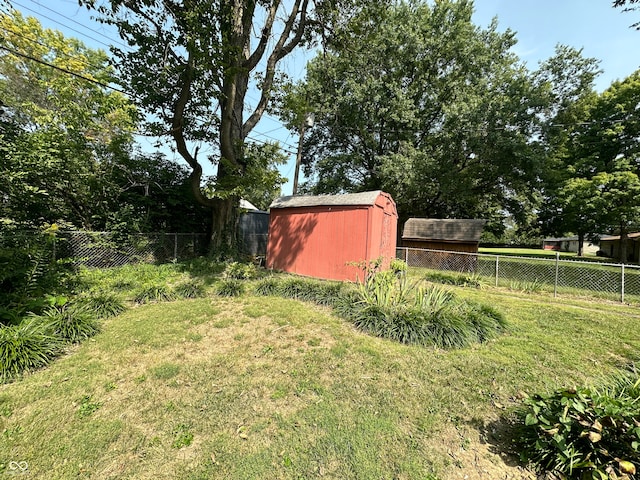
(240, 271)
(391, 308)
(24, 347)
(398, 267)
(70, 323)
(153, 293)
(230, 288)
(586, 433)
(29, 270)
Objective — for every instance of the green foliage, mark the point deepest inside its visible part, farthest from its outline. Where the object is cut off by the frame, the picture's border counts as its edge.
(398, 267)
(230, 288)
(191, 289)
(72, 323)
(153, 293)
(460, 280)
(87, 406)
(441, 111)
(103, 305)
(240, 271)
(586, 433)
(183, 437)
(268, 286)
(30, 278)
(25, 347)
(305, 289)
(433, 316)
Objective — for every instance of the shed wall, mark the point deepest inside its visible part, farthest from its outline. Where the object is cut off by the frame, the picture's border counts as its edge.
(319, 241)
(325, 241)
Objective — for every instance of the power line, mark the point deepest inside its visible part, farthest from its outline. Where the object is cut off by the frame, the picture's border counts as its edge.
(68, 55)
(64, 70)
(76, 22)
(102, 84)
(66, 26)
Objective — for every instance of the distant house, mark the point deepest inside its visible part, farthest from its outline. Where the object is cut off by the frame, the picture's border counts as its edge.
(323, 236)
(569, 244)
(610, 247)
(455, 235)
(448, 237)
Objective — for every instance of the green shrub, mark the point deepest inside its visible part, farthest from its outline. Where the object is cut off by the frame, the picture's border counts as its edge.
(398, 267)
(25, 347)
(586, 433)
(103, 305)
(230, 288)
(70, 323)
(240, 271)
(191, 289)
(153, 293)
(392, 308)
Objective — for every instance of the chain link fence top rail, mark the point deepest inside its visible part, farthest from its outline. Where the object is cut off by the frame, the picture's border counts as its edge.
(610, 281)
(104, 249)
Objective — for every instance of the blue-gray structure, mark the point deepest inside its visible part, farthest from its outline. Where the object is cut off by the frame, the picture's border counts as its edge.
(253, 228)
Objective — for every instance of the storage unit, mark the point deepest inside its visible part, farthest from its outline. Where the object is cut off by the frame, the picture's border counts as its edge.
(423, 235)
(454, 235)
(323, 236)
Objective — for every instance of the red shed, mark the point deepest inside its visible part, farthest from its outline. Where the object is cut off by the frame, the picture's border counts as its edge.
(321, 236)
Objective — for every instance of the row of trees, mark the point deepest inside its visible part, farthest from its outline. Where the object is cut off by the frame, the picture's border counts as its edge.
(409, 97)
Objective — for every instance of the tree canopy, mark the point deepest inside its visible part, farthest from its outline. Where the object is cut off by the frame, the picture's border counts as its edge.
(415, 99)
(190, 66)
(67, 151)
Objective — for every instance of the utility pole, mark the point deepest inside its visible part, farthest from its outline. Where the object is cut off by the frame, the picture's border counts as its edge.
(308, 122)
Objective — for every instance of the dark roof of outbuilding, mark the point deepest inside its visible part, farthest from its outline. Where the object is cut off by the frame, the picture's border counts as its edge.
(456, 230)
(363, 198)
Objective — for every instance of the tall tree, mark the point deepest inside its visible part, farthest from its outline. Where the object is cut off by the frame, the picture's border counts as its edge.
(190, 66)
(415, 99)
(55, 127)
(569, 80)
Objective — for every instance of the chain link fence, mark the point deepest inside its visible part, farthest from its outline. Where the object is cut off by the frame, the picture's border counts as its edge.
(105, 249)
(610, 281)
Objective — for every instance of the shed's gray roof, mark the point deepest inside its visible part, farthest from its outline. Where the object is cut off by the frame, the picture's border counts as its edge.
(458, 230)
(363, 198)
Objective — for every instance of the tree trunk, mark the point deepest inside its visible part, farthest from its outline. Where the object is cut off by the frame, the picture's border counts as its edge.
(580, 243)
(223, 225)
(623, 244)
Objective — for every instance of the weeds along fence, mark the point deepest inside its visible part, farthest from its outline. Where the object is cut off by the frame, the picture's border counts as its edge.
(107, 249)
(612, 281)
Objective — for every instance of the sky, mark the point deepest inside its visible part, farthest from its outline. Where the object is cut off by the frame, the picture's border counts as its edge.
(602, 31)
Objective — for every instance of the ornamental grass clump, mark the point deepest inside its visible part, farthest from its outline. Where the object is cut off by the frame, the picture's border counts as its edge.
(71, 323)
(388, 306)
(24, 347)
(585, 433)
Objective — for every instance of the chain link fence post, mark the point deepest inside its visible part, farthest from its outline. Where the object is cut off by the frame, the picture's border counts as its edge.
(622, 283)
(497, 268)
(555, 281)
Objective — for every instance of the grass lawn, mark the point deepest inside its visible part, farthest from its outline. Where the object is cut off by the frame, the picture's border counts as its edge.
(269, 388)
(539, 252)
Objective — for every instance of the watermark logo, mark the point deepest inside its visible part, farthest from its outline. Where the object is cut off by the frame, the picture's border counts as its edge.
(16, 468)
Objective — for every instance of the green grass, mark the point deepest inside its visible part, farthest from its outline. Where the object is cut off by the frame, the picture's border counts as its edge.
(266, 387)
(537, 252)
